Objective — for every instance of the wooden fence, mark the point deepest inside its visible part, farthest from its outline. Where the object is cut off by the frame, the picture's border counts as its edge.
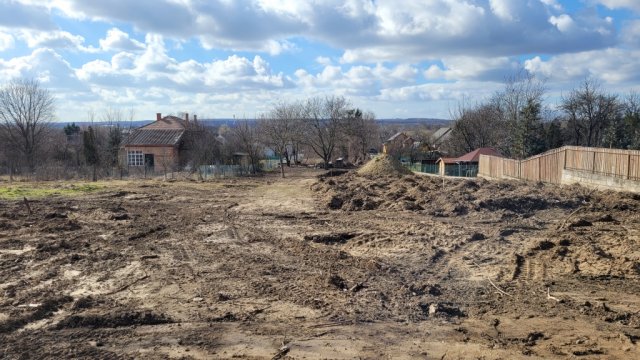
(549, 166)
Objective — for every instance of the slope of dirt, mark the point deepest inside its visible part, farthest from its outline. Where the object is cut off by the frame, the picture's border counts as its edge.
(341, 267)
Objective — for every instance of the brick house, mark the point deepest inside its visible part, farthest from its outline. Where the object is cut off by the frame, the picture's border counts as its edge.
(156, 146)
(397, 143)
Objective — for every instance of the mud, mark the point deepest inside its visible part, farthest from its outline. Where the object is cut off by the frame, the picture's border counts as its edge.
(404, 267)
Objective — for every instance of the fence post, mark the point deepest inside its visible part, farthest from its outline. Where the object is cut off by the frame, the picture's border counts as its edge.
(628, 166)
(593, 166)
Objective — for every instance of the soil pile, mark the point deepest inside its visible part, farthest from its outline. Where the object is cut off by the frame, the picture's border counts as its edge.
(429, 195)
(557, 230)
(383, 165)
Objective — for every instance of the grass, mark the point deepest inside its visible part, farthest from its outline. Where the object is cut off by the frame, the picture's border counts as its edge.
(40, 190)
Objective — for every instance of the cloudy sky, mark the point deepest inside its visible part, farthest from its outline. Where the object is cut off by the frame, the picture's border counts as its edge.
(220, 58)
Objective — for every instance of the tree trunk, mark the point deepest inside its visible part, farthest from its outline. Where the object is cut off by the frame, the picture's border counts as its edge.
(286, 158)
(281, 168)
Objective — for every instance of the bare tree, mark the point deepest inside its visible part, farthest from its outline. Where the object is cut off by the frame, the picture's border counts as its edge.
(26, 110)
(114, 119)
(279, 129)
(324, 123)
(589, 111)
(245, 137)
(520, 106)
(475, 127)
(200, 145)
(362, 131)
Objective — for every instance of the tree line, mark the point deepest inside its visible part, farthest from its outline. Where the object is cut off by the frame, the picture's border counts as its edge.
(517, 122)
(325, 127)
(328, 127)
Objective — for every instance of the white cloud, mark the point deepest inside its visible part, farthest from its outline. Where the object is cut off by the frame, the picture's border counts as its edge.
(323, 60)
(117, 39)
(123, 61)
(474, 44)
(620, 4)
(45, 65)
(14, 14)
(504, 9)
(6, 41)
(155, 68)
(357, 80)
(452, 92)
(368, 31)
(57, 39)
(631, 34)
(612, 66)
(473, 68)
(563, 22)
(553, 4)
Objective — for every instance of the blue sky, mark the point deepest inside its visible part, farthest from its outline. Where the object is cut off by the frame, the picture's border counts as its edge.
(225, 58)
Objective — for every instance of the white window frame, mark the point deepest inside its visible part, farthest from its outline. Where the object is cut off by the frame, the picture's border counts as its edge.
(135, 158)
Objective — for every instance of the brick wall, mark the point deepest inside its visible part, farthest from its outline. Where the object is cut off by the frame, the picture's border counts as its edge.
(164, 157)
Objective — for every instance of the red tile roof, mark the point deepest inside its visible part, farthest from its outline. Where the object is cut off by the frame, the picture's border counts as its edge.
(167, 131)
(474, 156)
(146, 137)
(447, 160)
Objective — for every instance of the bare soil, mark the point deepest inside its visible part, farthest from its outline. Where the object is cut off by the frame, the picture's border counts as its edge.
(313, 266)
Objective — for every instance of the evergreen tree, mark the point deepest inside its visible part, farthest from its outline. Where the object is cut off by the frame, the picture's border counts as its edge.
(528, 137)
(114, 140)
(553, 135)
(71, 129)
(631, 122)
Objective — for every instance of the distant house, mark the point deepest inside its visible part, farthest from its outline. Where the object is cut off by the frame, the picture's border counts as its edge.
(441, 136)
(156, 146)
(465, 165)
(397, 143)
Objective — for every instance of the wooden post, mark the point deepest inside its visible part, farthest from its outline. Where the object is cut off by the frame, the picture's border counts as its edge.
(593, 166)
(628, 166)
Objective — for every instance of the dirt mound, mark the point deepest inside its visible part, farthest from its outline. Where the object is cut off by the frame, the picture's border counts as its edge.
(454, 198)
(383, 165)
(562, 230)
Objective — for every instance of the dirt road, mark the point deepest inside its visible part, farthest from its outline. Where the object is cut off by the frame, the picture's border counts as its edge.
(333, 267)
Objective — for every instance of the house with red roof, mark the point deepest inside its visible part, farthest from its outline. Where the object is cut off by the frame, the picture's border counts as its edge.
(156, 146)
(465, 165)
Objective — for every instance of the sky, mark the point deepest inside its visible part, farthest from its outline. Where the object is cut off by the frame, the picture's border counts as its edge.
(238, 58)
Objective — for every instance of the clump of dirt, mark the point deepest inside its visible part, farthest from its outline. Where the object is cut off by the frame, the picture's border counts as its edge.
(384, 165)
(42, 311)
(113, 319)
(336, 238)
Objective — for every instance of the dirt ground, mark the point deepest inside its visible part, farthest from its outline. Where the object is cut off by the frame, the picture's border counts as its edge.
(338, 267)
